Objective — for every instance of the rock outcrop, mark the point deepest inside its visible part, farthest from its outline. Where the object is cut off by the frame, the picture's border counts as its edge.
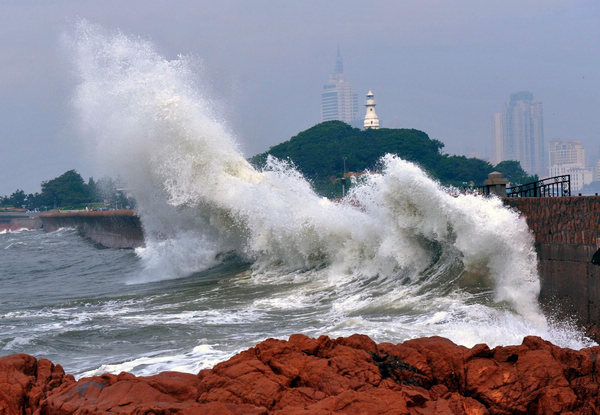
(25, 382)
(351, 375)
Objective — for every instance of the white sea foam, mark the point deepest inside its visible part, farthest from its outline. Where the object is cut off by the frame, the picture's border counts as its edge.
(200, 357)
(18, 230)
(17, 342)
(64, 229)
(400, 246)
(14, 245)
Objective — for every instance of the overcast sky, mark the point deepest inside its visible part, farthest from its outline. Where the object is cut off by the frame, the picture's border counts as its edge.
(440, 66)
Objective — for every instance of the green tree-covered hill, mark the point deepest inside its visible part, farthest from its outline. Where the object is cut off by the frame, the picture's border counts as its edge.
(319, 154)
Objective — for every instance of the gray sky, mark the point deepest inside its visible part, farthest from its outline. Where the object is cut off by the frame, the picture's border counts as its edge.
(437, 65)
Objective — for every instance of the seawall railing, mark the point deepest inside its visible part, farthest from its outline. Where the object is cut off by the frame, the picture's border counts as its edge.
(558, 186)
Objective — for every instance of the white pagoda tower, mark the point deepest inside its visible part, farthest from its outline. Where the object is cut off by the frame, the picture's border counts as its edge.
(371, 119)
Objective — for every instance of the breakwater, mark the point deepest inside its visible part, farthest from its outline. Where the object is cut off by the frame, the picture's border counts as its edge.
(112, 229)
(567, 239)
(14, 221)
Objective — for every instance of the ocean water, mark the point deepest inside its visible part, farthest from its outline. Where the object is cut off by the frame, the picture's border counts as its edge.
(236, 254)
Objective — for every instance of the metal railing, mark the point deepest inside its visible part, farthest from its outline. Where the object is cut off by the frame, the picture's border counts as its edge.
(550, 187)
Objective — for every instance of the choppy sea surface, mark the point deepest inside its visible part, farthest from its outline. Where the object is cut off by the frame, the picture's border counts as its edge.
(64, 298)
(67, 299)
(235, 253)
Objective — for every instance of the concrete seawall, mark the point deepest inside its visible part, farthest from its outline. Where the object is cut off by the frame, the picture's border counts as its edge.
(14, 221)
(113, 229)
(567, 239)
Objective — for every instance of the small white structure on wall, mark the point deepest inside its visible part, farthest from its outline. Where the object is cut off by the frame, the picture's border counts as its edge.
(371, 119)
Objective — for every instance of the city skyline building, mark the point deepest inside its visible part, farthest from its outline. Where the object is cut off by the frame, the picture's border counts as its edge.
(518, 133)
(566, 153)
(498, 137)
(568, 157)
(339, 100)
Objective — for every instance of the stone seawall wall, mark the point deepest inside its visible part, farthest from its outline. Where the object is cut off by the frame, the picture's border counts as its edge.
(13, 222)
(561, 220)
(113, 229)
(567, 236)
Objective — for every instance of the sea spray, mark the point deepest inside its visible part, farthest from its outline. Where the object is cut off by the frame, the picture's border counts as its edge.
(491, 240)
(144, 121)
(400, 257)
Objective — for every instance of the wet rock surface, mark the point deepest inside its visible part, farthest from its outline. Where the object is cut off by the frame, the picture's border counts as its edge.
(351, 375)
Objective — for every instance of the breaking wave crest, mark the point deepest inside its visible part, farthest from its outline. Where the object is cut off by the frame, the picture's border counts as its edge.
(399, 257)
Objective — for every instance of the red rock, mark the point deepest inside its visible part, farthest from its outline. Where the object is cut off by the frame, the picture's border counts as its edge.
(25, 381)
(324, 376)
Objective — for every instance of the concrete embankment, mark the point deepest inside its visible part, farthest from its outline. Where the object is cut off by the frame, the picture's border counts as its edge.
(14, 221)
(113, 228)
(567, 239)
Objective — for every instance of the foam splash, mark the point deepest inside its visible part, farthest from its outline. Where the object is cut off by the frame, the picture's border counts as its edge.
(491, 240)
(17, 230)
(203, 356)
(403, 243)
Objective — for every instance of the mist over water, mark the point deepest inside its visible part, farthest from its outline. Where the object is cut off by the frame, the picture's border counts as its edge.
(242, 254)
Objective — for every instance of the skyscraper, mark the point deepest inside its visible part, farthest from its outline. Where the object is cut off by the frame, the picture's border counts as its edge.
(339, 101)
(518, 133)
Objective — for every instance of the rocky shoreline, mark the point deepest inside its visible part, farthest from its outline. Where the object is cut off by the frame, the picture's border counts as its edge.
(352, 375)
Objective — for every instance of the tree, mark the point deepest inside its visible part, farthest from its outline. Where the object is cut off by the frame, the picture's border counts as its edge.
(107, 190)
(457, 170)
(512, 170)
(33, 201)
(18, 198)
(66, 190)
(93, 190)
(69, 190)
